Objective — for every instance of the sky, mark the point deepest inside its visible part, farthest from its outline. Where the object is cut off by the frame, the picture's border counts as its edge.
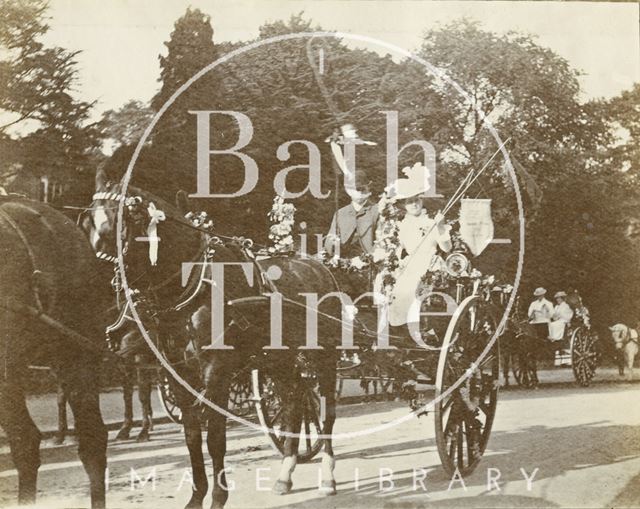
(120, 40)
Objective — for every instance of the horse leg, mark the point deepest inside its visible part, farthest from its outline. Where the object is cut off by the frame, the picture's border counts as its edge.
(620, 361)
(193, 437)
(506, 364)
(84, 398)
(293, 421)
(24, 440)
(629, 356)
(144, 394)
(216, 380)
(127, 394)
(534, 368)
(327, 382)
(63, 426)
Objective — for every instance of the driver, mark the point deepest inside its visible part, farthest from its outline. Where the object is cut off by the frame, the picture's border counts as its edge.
(540, 311)
(353, 226)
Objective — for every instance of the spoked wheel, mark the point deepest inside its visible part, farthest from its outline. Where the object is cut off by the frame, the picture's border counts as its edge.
(271, 414)
(464, 414)
(240, 401)
(168, 399)
(584, 355)
(523, 366)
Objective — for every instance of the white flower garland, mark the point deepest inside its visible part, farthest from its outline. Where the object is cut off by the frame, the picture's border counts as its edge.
(281, 216)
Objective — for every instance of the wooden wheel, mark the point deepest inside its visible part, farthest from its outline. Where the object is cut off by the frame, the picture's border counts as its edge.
(584, 355)
(523, 365)
(270, 413)
(168, 399)
(240, 402)
(464, 415)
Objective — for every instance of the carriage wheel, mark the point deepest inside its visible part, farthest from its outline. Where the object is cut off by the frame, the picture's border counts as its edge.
(522, 366)
(584, 355)
(168, 399)
(240, 402)
(464, 416)
(270, 412)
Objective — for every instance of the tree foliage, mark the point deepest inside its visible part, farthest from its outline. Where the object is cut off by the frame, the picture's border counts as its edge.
(37, 105)
(561, 147)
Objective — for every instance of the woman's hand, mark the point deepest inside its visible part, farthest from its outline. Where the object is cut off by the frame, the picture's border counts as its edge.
(439, 219)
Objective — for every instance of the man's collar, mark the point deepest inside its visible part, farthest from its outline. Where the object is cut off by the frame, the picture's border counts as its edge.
(360, 206)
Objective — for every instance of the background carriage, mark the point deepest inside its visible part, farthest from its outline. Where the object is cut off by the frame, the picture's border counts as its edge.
(578, 349)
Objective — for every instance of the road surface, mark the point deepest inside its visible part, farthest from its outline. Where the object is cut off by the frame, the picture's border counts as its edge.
(579, 446)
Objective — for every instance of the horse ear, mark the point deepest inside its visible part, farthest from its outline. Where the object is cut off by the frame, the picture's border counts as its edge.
(612, 328)
(182, 202)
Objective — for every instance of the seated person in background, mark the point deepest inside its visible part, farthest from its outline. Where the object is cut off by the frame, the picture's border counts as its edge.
(540, 311)
(561, 316)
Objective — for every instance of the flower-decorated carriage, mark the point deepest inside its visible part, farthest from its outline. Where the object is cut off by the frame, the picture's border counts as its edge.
(448, 366)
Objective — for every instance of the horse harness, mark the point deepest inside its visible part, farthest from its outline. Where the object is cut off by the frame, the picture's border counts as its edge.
(210, 242)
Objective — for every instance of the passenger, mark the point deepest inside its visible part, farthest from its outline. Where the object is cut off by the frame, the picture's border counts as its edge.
(562, 315)
(419, 236)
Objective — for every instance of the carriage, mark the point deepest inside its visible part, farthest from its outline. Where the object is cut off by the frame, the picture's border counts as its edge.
(577, 349)
(459, 367)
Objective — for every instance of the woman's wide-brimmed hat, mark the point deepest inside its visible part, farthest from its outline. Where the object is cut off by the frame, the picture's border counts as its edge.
(539, 291)
(560, 294)
(416, 182)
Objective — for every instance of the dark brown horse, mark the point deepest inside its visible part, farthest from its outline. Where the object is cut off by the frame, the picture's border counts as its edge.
(134, 361)
(46, 280)
(179, 318)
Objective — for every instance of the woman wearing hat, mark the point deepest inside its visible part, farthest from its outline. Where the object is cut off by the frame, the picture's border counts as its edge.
(419, 236)
(561, 316)
(540, 312)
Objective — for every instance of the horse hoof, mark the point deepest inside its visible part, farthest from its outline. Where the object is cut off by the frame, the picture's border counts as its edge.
(143, 436)
(328, 488)
(123, 434)
(282, 487)
(58, 439)
(194, 503)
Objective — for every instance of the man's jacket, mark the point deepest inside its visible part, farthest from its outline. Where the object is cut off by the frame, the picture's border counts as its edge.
(351, 226)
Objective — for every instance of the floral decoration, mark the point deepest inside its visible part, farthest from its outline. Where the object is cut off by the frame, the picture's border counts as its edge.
(281, 216)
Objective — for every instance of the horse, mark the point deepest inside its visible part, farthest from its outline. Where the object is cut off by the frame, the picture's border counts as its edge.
(180, 319)
(137, 363)
(50, 317)
(626, 341)
(134, 362)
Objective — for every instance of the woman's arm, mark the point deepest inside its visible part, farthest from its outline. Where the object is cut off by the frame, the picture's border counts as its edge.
(443, 233)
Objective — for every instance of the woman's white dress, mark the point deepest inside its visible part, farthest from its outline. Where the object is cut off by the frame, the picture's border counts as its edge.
(404, 307)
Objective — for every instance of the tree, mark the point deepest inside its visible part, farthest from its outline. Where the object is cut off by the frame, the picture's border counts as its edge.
(189, 49)
(36, 101)
(126, 125)
(168, 163)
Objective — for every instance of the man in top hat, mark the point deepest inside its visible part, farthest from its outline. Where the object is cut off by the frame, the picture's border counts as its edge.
(540, 312)
(561, 316)
(353, 227)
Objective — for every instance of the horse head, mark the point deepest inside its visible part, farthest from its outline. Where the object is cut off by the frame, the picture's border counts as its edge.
(155, 236)
(620, 334)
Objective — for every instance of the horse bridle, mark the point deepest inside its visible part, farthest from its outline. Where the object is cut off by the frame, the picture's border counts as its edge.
(628, 338)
